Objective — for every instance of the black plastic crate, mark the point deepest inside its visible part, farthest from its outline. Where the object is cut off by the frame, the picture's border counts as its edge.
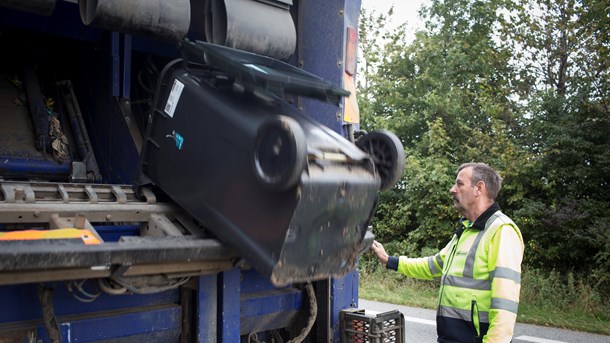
(362, 326)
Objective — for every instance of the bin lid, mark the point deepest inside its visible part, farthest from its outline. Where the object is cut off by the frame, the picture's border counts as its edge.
(264, 74)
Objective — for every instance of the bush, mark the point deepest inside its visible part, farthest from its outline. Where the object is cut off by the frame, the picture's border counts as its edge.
(566, 300)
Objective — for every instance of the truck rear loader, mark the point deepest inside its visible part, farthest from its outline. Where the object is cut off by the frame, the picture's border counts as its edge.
(183, 170)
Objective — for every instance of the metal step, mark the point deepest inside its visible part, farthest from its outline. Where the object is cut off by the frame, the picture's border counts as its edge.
(170, 242)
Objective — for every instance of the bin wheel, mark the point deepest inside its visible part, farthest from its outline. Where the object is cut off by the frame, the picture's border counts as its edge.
(387, 153)
(280, 153)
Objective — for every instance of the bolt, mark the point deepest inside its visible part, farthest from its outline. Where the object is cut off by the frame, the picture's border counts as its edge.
(108, 217)
(37, 214)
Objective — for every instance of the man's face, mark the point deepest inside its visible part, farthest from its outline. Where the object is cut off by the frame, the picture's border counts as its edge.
(463, 192)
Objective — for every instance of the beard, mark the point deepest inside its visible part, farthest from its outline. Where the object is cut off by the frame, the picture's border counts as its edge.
(458, 205)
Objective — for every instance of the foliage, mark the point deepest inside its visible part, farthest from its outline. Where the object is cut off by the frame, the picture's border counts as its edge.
(446, 96)
(563, 300)
(382, 286)
(566, 207)
(520, 85)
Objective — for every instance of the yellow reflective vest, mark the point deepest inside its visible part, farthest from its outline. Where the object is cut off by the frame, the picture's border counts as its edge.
(480, 272)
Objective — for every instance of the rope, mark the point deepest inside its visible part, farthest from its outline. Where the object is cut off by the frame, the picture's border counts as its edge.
(48, 313)
(313, 313)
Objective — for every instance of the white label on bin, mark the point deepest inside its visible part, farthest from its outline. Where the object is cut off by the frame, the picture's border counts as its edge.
(174, 96)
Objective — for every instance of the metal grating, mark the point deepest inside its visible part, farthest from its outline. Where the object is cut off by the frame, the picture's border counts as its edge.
(361, 326)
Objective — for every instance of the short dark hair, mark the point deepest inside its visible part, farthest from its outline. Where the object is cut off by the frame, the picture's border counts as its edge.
(485, 173)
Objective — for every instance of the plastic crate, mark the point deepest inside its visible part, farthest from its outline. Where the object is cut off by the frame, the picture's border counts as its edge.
(362, 326)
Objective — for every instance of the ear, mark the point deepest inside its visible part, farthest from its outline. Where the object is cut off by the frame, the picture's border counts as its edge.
(481, 188)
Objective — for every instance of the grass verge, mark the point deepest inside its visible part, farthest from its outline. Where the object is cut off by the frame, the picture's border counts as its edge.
(547, 299)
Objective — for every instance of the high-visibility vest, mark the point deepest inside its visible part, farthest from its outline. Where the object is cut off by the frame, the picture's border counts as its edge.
(480, 271)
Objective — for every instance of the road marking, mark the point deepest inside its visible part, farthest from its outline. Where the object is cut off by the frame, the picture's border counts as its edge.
(421, 321)
(537, 340)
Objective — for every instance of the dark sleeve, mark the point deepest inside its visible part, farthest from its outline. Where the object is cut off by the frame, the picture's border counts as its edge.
(392, 263)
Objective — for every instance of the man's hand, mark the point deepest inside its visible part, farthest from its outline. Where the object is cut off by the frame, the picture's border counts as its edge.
(378, 249)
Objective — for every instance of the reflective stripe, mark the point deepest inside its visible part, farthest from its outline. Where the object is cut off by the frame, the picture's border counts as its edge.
(469, 264)
(505, 273)
(484, 317)
(504, 304)
(439, 260)
(433, 269)
(452, 312)
(493, 218)
(465, 282)
(457, 313)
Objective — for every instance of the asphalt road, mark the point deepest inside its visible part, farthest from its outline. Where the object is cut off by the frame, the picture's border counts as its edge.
(420, 327)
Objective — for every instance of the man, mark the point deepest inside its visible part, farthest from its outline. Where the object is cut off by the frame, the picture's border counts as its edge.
(480, 268)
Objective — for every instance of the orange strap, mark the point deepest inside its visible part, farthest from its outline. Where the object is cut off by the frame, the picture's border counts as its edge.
(30, 235)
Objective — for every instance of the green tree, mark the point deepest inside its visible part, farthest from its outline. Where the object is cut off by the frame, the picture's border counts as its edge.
(521, 85)
(566, 204)
(446, 96)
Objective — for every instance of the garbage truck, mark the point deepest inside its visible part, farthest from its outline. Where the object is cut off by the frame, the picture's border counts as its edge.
(184, 171)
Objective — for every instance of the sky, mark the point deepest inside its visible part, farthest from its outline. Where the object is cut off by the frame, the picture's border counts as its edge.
(404, 11)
